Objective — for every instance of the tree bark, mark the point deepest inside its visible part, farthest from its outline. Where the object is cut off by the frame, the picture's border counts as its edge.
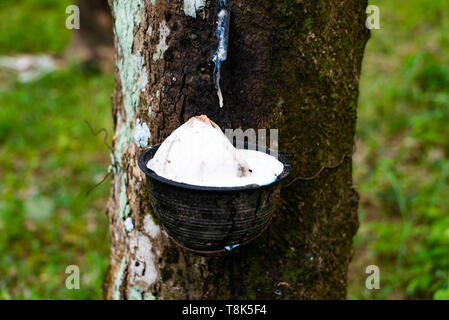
(292, 65)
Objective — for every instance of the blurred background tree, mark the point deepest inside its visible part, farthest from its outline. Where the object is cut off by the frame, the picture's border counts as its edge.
(49, 157)
(93, 43)
(402, 165)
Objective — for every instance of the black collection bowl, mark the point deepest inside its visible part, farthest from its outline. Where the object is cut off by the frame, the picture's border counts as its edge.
(210, 219)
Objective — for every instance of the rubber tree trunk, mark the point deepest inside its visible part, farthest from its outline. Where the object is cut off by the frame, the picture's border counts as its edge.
(292, 65)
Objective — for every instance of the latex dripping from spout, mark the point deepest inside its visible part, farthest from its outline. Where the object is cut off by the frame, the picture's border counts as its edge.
(221, 53)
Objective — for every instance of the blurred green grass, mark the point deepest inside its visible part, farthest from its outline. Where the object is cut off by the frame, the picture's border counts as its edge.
(49, 158)
(33, 26)
(402, 166)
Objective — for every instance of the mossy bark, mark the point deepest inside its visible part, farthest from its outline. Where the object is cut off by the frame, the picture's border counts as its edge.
(292, 65)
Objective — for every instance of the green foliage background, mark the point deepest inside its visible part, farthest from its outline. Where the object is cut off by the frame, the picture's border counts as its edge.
(402, 166)
(49, 158)
(48, 161)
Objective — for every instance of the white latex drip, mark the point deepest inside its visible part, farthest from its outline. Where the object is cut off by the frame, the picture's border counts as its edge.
(221, 54)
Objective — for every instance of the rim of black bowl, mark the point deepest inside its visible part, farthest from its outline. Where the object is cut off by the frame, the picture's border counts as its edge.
(282, 157)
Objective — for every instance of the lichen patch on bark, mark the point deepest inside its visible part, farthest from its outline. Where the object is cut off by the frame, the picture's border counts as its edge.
(192, 6)
(150, 227)
(162, 46)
